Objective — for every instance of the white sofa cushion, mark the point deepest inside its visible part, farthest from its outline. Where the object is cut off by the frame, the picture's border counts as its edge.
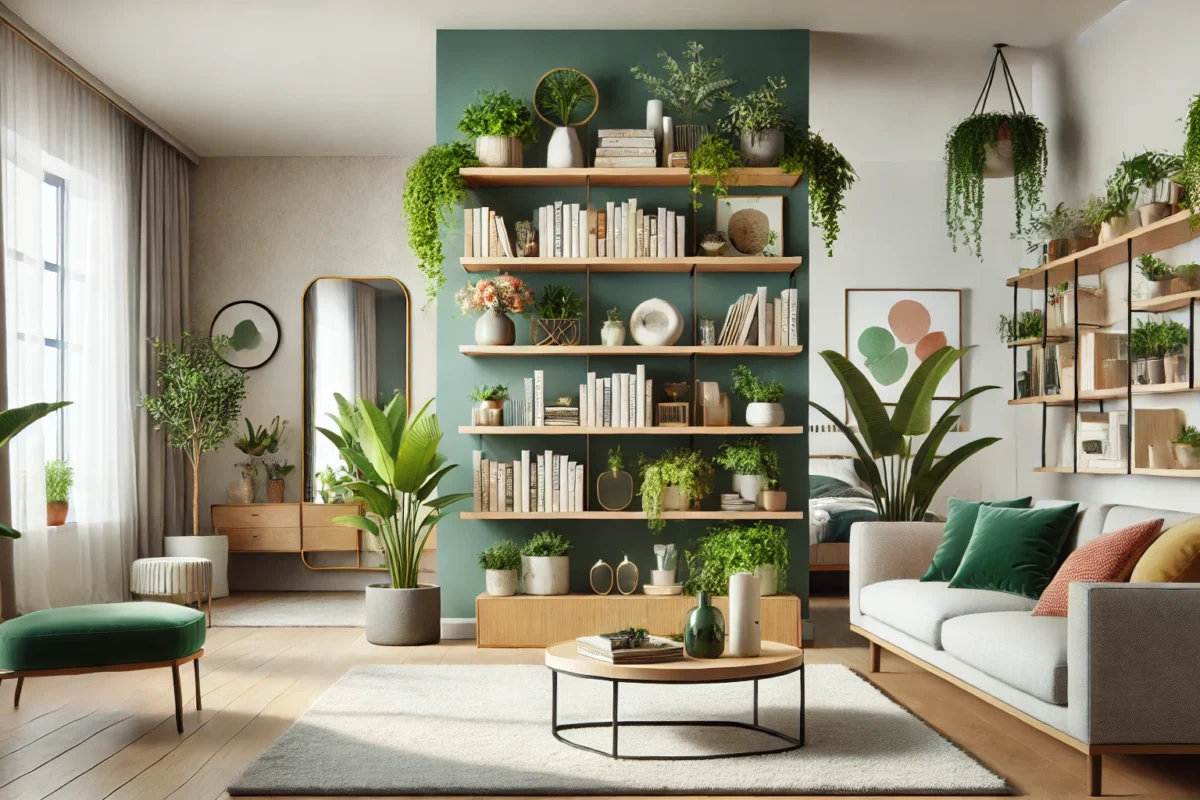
(919, 608)
(1026, 652)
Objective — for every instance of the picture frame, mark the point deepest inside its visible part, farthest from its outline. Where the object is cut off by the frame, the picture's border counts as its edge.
(751, 224)
(253, 330)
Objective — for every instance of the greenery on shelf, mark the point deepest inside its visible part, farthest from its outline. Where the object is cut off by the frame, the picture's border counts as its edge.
(713, 158)
(1156, 339)
(1120, 194)
(753, 389)
(563, 91)
(397, 467)
(1189, 436)
(1094, 213)
(758, 110)
(750, 455)
(1189, 175)
(1189, 272)
(60, 477)
(559, 302)
(489, 392)
(1063, 222)
(545, 544)
(687, 470)
(261, 440)
(688, 88)
(1174, 338)
(1154, 268)
(829, 176)
(616, 461)
(613, 317)
(1026, 325)
(902, 475)
(1151, 172)
(966, 154)
(498, 113)
(503, 555)
(278, 469)
(330, 484)
(199, 400)
(731, 547)
(433, 189)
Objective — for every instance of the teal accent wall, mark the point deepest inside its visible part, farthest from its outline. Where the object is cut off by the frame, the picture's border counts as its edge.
(468, 60)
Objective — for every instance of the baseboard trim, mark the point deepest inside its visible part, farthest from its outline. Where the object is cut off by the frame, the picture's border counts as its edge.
(458, 627)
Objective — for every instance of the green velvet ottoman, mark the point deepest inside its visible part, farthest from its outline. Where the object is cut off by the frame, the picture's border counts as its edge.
(111, 637)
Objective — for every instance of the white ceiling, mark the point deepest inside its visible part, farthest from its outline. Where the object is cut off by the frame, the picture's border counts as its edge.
(355, 77)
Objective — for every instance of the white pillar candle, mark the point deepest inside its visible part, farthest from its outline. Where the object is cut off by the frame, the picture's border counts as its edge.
(654, 120)
(745, 610)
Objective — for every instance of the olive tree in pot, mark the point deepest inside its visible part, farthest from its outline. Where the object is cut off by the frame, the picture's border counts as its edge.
(199, 400)
(500, 563)
(501, 126)
(757, 120)
(397, 467)
(545, 565)
(764, 398)
(12, 422)
(755, 468)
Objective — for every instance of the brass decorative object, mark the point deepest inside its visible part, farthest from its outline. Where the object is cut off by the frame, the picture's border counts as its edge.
(537, 94)
(614, 490)
(627, 584)
(598, 570)
(560, 332)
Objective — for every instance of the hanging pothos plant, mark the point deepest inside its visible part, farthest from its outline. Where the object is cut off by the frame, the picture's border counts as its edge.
(433, 188)
(712, 158)
(829, 175)
(1189, 177)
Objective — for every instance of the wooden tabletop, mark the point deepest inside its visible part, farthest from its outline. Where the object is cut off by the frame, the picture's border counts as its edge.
(775, 658)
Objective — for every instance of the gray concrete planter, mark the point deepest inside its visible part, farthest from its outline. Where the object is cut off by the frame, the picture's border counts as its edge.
(762, 148)
(404, 616)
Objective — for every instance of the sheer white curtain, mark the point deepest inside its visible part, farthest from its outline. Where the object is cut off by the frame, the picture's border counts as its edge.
(334, 367)
(70, 166)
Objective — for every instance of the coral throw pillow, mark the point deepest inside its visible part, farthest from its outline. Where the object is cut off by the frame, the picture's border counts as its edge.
(1108, 558)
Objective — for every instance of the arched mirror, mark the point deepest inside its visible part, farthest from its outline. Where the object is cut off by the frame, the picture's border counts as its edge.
(356, 343)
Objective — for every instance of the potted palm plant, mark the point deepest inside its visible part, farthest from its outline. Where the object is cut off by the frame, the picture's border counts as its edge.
(500, 563)
(672, 482)
(545, 565)
(559, 94)
(764, 398)
(198, 402)
(757, 120)
(397, 467)
(692, 86)
(59, 479)
(12, 422)
(755, 468)
(501, 126)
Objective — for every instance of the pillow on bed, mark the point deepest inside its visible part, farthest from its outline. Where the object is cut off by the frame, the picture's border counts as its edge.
(840, 468)
(823, 486)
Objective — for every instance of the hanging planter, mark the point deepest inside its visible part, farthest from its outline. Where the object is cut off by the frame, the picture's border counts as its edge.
(993, 145)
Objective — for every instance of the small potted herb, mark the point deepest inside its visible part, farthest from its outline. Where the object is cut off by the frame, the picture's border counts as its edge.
(1174, 345)
(672, 482)
(1157, 272)
(59, 479)
(494, 299)
(557, 317)
(692, 85)
(1024, 326)
(1147, 346)
(757, 119)
(612, 333)
(501, 562)
(501, 126)
(614, 486)
(545, 565)
(764, 398)
(755, 466)
(730, 547)
(1187, 447)
(559, 94)
(491, 403)
(277, 470)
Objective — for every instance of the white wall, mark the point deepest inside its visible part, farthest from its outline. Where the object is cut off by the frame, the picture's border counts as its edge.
(262, 228)
(1119, 88)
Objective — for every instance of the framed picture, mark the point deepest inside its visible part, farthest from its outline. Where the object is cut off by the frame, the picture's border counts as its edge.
(752, 224)
(253, 332)
(889, 332)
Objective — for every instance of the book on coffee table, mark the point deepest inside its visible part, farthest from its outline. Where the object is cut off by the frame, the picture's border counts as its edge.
(621, 648)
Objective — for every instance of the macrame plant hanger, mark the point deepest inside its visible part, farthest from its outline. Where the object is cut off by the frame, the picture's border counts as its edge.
(999, 162)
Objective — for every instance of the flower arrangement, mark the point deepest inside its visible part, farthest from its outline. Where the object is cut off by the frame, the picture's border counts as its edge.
(504, 294)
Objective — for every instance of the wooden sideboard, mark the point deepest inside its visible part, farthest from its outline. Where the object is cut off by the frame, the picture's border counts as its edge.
(288, 528)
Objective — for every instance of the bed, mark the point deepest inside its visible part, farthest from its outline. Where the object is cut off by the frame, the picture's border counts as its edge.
(837, 498)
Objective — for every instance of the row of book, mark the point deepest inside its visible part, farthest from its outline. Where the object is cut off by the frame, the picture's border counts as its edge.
(485, 234)
(624, 400)
(546, 483)
(626, 147)
(756, 319)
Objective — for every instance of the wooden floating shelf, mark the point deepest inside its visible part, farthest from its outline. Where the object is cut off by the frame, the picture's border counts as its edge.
(1036, 340)
(625, 350)
(477, 177)
(1103, 394)
(681, 266)
(577, 430)
(1162, 235)
(1171, 302)
(1055, 470)
(1167, 473)
(611, 515)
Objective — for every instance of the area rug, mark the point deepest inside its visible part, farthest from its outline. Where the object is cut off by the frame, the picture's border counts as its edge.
(485, 730)
(291, 610)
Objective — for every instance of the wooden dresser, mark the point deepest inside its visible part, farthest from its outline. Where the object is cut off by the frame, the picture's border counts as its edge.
(286, 527)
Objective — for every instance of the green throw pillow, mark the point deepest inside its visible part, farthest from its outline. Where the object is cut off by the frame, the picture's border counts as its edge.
(960, 523)
(1015, 550)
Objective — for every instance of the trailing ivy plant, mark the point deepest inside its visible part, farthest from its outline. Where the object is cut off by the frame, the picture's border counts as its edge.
(433, 188)
(687, 470)
(499, 114)
(712, 158)
(829, 175)
(731, 547)
(562, 92)
(1189, 176)
(966, 154)
(688, 89)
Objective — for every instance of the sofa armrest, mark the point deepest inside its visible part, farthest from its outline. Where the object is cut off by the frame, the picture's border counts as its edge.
(886, 551)
(1132, 651)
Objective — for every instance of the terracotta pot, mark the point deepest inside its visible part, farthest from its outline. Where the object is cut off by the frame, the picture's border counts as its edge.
(56, 514)
(773, 500)
(275, 490)
(1058, 248)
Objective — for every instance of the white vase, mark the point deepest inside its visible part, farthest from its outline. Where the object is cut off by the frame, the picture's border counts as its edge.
(546, 575)
(748, 487)
(499, 151)
(214, 548)
(612, 334)
(668, 139)
(494, 328)
(564, 150)
(745, 612)
(501, 582)
(764, 415)
(769, 577)
(654, 120)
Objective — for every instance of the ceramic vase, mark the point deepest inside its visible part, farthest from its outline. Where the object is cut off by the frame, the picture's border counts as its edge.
(764, 415)
(214, 548)
(688, 137)
(1155, 371)
(499, 151)
(501, 582)
(654, 120)
(495, 328)
(1160, 288)
(612, 334)
(546, 575)
(601, 577)
(564, 150)
(668, 139)
(614, 490)
(762, 148)
(704, 629)
(1175, 369)
(242, 490)
(673, 499)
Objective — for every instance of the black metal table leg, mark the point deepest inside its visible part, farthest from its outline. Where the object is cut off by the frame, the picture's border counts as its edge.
(801, 736)
(756, 701)
(553, 702)
(614, 718)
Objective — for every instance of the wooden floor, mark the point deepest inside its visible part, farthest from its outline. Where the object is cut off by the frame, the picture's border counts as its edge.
(113, 735)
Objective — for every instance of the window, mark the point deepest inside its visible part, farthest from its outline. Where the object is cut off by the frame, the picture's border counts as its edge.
(54, 215)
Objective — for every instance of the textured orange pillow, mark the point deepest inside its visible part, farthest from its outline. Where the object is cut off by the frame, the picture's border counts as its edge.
(1108, 558)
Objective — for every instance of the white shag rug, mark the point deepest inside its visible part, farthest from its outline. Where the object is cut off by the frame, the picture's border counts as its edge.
(485, 730)
(292, 610)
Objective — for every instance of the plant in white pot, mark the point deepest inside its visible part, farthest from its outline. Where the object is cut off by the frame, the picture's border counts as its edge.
(764, 398)
(757, 120)
(1157, 273)
(501, 126)
(731, 547)
(755, 468)
(560, 94)
(491, 404)
(494, 299)
(1151, 175)
(397, 467)
(672, 482)
(1174, 337)
(1187, 447)
(199, 400)
(545, 565)
(612, 332)
(501, 563)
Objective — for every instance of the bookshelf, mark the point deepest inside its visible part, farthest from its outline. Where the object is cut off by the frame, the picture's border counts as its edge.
(530, 177)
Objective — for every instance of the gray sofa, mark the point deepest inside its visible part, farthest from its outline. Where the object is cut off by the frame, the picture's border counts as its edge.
(1121, 674)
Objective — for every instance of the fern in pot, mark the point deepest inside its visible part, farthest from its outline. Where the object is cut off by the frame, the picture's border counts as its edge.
(757, 120)
(500, 563)
(764, 398)
(692, 86)
(501, 125)
(755, 468)
(674, 481)
(545, 565)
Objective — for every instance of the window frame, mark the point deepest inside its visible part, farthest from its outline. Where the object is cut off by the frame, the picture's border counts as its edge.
(57, 268)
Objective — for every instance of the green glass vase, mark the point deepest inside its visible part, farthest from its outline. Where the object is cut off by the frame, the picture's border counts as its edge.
(704, 630)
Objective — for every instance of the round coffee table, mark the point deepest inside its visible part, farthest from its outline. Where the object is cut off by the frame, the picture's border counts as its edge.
(775, 660)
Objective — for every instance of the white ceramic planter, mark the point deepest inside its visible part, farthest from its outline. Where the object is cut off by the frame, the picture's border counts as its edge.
(501, 582)
(748, 487)
(612, 334)
(564, 150)
(214, 548)
(546, 575)
(499, 151)
(769, 577)
(998, 156)
(403, 616)
(1186, 455)
(764, 415)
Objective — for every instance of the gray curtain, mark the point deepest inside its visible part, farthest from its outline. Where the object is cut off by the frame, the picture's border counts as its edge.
(8, 587)
(162, 311)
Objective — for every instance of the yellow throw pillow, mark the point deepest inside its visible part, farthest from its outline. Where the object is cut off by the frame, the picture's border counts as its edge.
(1173, 558)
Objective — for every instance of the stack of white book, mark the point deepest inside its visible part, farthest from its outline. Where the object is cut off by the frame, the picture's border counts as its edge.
(758, 320)
(626, 147)
(485, 235)
(624, 400)
(546, 483)
(612, 648)
(619, 230)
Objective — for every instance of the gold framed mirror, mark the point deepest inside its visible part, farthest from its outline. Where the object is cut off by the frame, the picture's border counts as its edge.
(357, 342)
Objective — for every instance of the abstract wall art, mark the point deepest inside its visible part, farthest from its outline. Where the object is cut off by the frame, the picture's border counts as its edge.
(253, 333)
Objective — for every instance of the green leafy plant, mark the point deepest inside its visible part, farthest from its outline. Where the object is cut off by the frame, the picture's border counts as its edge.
(278, 469)
(1063, 222)
(687, 470)
(503, 555)
(758, 110)
(1026, 325)
(1093, 213)
(1174, 337)
(1154, 268)
(1120, 194)
(1189, 436)
(433, 189)
(262, 440)
(330, 484)
(1151, 172)
(545, 544)
(688, 89)
(731, 547)
(562, 92)
(489, 392)
(59, 480)
(397, 467)
(616, 461)
(829, 176)
(559, 302)
(966, 154)
(750, 455)
(199, 400)
(753, 389)
(1144, 339)
(1188, 273)
(712, 158)
(498, 113)
(903, 475)
(1189, 174)
(613, 316)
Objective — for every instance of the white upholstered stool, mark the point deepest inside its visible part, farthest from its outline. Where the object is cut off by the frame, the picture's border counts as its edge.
(189, 577)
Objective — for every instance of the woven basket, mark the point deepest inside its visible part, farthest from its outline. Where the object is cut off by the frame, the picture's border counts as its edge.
(554, 331)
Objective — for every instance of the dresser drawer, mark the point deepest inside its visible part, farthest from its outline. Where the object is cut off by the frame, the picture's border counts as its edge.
(263, 540)
(330, 537)
(255, 515)
(321, 515)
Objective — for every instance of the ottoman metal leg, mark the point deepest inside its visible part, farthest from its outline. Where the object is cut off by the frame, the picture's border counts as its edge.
(17, 696)
(178, 698)
(196, 664)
